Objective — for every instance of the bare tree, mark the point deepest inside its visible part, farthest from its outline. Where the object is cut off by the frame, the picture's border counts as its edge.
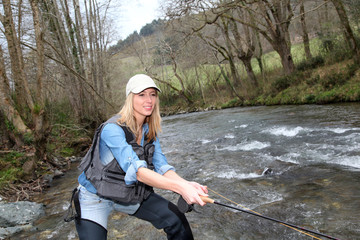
(245, 46)
(7, 107)
(22, 91)
(78, 42)
(228, 50)
(305, 34)
(169, 50)
(273, 18)
(218, 49)
(52, 40)
(35, 103)
(42, 127)
(349, 35)
(274, 26)
(63, 52)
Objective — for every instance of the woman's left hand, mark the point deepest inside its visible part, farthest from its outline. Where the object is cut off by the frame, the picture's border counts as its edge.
(202, 190)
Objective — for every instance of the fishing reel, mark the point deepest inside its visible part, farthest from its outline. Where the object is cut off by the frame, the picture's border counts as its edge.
(184, 207)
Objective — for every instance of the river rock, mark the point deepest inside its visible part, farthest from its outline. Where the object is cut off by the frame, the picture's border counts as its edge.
(29, 169)
(6, 232)
(58, 173)
(17, 216)
(73, 159)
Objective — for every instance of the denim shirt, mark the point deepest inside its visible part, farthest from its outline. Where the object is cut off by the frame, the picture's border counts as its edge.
(113, 145)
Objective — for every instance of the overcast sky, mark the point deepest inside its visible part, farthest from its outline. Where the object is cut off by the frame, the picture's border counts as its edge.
(134, 14)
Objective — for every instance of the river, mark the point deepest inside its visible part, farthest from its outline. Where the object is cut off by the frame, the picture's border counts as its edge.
(312, 150)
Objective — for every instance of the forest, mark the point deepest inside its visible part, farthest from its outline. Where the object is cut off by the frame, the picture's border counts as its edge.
(61, 74)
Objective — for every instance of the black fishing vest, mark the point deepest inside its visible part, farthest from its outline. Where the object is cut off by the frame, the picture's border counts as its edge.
(109, 179)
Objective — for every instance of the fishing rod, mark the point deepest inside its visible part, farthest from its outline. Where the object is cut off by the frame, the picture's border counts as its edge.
(209, 200)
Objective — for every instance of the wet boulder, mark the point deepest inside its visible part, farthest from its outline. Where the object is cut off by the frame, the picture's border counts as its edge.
(18, 216)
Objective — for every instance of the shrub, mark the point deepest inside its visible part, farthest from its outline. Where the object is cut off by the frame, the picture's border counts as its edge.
(313, 80)
(351, 70)
(281, 83)
(28, 138)
(327, 97)
(310, 98)
(331, 80)
(9, 175)
(67, 152)
(338, 79)
(284, 82)
(311, 64)
(11, 167)
(232, 103)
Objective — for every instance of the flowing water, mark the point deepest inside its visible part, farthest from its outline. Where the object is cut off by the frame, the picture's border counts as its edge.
(314, 154)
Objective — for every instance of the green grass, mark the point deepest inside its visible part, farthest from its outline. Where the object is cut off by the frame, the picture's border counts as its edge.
(67, 152)
(11, 167)
(9, 175)
(271, 61)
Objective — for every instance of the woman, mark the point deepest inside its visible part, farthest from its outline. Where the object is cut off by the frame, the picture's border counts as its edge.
(125, 162)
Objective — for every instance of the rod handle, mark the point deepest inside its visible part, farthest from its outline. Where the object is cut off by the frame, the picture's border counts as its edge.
(207, 199)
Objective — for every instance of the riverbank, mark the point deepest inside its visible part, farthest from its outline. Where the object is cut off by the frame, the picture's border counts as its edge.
(310, 84)
(25, 187)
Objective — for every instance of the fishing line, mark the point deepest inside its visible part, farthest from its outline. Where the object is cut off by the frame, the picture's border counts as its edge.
(237, 204)
(294, 227)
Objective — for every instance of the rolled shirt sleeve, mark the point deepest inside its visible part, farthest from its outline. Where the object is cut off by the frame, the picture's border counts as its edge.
(113, 145)
(159, 160)
(130, 176)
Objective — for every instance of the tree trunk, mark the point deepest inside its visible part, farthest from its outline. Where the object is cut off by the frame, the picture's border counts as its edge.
(259, 54)
(245, 55)
(61, 50)
(82, 48)
(199, 83)
(91, 42)
(41, 124)
(350, 38)
(284, 51)
(76, 84)
(228, 82)
(7, 108)
(305, 32)
(22, 91)
(250, 71)
(99, 57)
(278, 15)
(229, 50)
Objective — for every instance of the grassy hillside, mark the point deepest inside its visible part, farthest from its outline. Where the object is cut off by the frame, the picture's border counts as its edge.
(329, 77)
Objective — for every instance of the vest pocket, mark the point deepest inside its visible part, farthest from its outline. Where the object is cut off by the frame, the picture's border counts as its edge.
(113, 176)
(112, 172)
(117, 191)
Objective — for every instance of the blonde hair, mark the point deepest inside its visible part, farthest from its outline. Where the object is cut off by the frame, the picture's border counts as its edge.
(127, 117)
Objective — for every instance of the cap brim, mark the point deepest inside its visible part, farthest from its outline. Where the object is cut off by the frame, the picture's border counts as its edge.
(142, 88)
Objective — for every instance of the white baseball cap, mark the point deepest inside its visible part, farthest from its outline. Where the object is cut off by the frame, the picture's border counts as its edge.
(139, 83)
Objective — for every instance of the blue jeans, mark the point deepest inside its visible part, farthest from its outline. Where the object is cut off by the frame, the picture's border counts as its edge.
(98, 209)
(162, 213)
